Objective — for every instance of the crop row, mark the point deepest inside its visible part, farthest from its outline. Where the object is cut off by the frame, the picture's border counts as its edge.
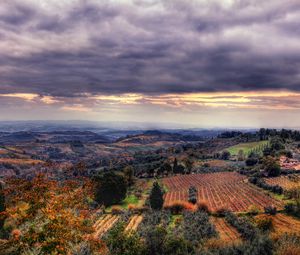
(134, 222)
(226, 232)
(234, 196)
(104, 224)
(183, 182)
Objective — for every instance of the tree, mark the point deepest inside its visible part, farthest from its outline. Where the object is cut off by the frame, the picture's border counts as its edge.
(241, 155)
(165, 168)
(225, 155)
(129, 175)
(252, 159)
(2, 207)
(188, 164)
(193, 194)
(156, 197)
(271, 166)
(175, 165)
(111, 188)
(177, 169)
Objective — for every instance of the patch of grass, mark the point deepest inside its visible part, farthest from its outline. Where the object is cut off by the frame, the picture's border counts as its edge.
(130, 199)
(247, 147)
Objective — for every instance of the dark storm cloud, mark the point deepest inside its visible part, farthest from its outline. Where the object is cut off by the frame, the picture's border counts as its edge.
(68, 48)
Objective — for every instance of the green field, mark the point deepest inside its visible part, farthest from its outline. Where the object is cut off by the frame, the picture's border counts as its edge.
(247, 147)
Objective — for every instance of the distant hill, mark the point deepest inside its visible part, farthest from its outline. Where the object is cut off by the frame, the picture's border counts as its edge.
(52, 137)
(152, 136)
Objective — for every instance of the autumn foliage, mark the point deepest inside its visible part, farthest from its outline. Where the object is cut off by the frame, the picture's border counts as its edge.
(50, 215)
(177, 207)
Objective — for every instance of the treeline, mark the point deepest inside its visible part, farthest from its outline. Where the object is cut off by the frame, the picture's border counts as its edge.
(263, 134)
(262, 184)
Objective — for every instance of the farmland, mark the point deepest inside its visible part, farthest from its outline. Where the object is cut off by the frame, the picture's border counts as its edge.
(104, 224)
(283, 224)
(226, 233)
(219, 190)
(247, 147)
(134, 222)
(286, 182)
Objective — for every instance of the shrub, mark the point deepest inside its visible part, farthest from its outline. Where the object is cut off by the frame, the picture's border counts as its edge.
(177, 207)
(290, 208)
(83, 248)
(251, 161)
(137, 209)
(244, 227)
(293, 209)
(196, 227)
(272, 210)
(151, 219)
(253, 210)
(292, 193)
(119, 242)
(253, 180)
(174, 245)
(277, 189)
(288, 245)
(264, 223)
(116, 209)
(262, 184)
(131, 207)
(260, 245)
(221, 212)
(203, 206)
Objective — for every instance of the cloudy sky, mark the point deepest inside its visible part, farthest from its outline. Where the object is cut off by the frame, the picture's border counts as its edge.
(233, 63)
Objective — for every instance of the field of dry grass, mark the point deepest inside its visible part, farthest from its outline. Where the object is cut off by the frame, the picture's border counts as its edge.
(286, 182)
(283, 224)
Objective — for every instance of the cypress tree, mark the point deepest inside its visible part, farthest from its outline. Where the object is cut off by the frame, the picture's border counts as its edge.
(156, 197)
(175, 165)
(192, 194)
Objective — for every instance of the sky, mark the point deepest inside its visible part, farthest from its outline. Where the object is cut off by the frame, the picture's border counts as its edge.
(204, 63)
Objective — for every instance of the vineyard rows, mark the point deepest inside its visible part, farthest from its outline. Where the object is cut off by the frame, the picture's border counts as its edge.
(286, 182)
(227, 233)
(219, 190)
(106, 222)
(185, 181)
(134, 222)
